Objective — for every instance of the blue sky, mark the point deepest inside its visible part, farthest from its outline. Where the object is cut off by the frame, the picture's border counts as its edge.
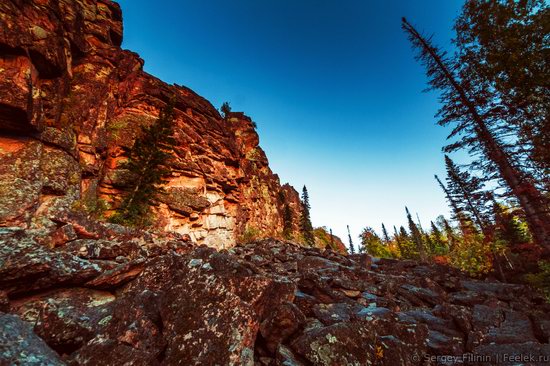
(333, 87)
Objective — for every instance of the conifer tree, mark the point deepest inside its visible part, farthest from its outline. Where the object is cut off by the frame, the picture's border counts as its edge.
(225, 109)
(397, 238)
(407, 246)
(467, 193)
(385, 235)
(466, 104)
(438, 241)
(508, 226)
(372, 244)
(147, 165)
(452, 239)
(287, 222)
(416, 236)
(490, 34)
(351, 247)
(305, 220)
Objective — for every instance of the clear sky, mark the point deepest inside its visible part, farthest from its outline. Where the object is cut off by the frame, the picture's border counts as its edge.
(332, 85)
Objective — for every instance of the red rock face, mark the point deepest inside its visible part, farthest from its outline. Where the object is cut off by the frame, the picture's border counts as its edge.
(71, 99)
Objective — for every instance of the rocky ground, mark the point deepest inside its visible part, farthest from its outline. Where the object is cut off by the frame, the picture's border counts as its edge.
(105, 295)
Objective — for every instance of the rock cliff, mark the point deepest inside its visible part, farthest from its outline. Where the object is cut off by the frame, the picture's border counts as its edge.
(71, 99)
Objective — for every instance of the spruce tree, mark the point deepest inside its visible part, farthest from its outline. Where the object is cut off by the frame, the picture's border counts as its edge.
(407, 247)
(147, 166)
(305, 220)
(397, 239)
(416, 236)
(351, 247)
(385, 235)
(467, 192)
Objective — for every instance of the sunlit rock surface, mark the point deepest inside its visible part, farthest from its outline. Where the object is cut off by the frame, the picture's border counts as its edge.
(71, 99)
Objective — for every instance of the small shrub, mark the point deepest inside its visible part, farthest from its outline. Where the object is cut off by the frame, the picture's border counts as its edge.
(250, 234)
(91, 205)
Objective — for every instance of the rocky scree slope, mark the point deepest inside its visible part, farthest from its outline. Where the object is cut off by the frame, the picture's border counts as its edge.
(138, 299)
(71, 99)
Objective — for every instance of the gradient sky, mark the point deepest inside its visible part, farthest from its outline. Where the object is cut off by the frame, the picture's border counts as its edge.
(332, 85)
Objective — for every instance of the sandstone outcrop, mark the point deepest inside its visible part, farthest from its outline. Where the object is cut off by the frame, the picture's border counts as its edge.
(71, 99)
(162, 301)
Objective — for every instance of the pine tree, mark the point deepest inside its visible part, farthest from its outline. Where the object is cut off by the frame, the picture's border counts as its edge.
(305, 220)
(464, 103)
(147, 165)
(351, 247)
(416, 236)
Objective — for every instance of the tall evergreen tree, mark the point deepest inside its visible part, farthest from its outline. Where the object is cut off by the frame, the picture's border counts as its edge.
(397, 238)
(305, 220)
(438, 241)
(385, 235)
(147, 166)
(406, 245)
(287, 222)
(465, 104)
(351, 247)
(467, 192)
(452, 239)
(508, 226)
(503, 47)
(416, 236)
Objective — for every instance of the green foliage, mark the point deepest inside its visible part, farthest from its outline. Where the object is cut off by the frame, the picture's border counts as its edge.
(225, 109)
(91, 205)
(373, 245)
(287, 223)
(508, 226)
(324, 238)
(416, 236)
(306, 228)
(467, 195)
(114, 127)
(147, 164)
(541, 280)
(472, 255)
